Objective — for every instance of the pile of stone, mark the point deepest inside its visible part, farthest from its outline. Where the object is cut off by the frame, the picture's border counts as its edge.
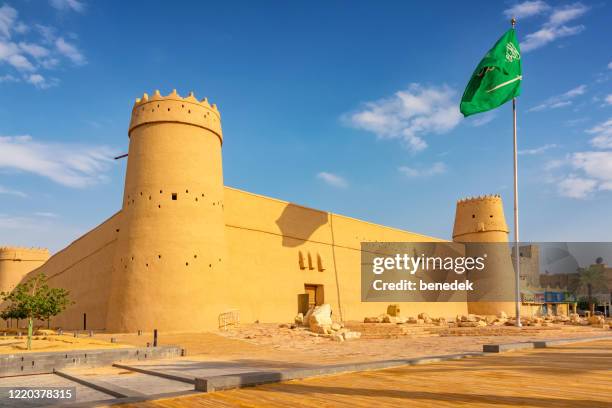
(393, 316)
(318, 319)
(471, 320)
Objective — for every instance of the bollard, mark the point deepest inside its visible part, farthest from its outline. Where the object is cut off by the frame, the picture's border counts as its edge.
(183, 352)
(154, 337)
(140, 332)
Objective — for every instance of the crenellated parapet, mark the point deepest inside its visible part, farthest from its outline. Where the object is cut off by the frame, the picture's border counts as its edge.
(175, 109)
(16, 253)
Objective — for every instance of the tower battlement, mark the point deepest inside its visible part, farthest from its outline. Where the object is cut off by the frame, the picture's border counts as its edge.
(492, 197)
(483, 216)
(175, 109)
(16, 253)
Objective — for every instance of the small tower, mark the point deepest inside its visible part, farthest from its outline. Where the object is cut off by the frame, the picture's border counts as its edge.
(170, 255)
(481, 225)
(17, 262)
(480, 219)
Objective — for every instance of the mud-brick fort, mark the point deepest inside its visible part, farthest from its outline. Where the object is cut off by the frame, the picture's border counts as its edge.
(185, 249)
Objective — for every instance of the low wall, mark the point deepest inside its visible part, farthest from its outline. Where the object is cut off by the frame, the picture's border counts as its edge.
(46, 363)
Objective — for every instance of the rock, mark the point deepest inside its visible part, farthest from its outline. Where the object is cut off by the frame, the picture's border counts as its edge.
(372, 320)
(299, 318)
(393, 310)
(502, 315)
(307, 316)
(441, 321)
(321, 328)
(283, 326)
(338, 337)
(469, 318)
(411, 320)
(336, 326)
(420, 321)
(490, 319)
(401, 319)
(423, 316)
(389, 319)
(469, 324)
(596, 320)
(482, 323)
(293, 326)
(45, 332)
(320, 316)
(351, 335)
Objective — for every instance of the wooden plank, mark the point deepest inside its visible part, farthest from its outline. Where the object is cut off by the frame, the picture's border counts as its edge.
(575, 375)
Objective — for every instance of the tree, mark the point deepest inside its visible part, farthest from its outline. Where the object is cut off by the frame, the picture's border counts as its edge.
(11, 312)
(590, 277)
(34, 299)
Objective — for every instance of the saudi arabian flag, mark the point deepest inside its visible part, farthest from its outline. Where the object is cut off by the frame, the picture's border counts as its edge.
(497, 78)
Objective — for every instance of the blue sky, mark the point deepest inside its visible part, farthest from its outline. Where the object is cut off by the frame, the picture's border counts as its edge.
(350, 107)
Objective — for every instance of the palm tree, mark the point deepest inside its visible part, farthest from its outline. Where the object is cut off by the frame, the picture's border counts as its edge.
(590, 277)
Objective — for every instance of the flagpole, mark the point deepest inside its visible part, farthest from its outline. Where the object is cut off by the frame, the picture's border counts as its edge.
(516, 219)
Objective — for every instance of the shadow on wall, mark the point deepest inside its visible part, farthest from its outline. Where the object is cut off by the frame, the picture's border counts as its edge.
(299, 222)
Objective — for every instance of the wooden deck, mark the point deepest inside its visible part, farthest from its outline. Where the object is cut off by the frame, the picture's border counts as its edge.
(574, 375)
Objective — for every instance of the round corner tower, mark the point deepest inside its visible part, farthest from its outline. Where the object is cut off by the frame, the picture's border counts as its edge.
(480, 219)
(480, 223)
(17, 262)
(171, 244)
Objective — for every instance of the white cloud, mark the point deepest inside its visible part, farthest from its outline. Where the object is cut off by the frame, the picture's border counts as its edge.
(70, 51)
(576, 187)
(527, 9)
(46, 214)
(555, 28)
(332, 179)
(610, 65)
(603, 135)
(66, 5)
(436, 168)
(29, 54)
(35, 50)
(70, 165)
(560, 101)
(8, 78)
(537, 150)
(409, 115)
(8, 191)
(8, 19)
(597, 165)
(482, 119)
(566, 14)
(589, 172)
(11, 54)
(608, 99)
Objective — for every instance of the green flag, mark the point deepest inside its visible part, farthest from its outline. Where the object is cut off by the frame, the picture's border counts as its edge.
(497, 78)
